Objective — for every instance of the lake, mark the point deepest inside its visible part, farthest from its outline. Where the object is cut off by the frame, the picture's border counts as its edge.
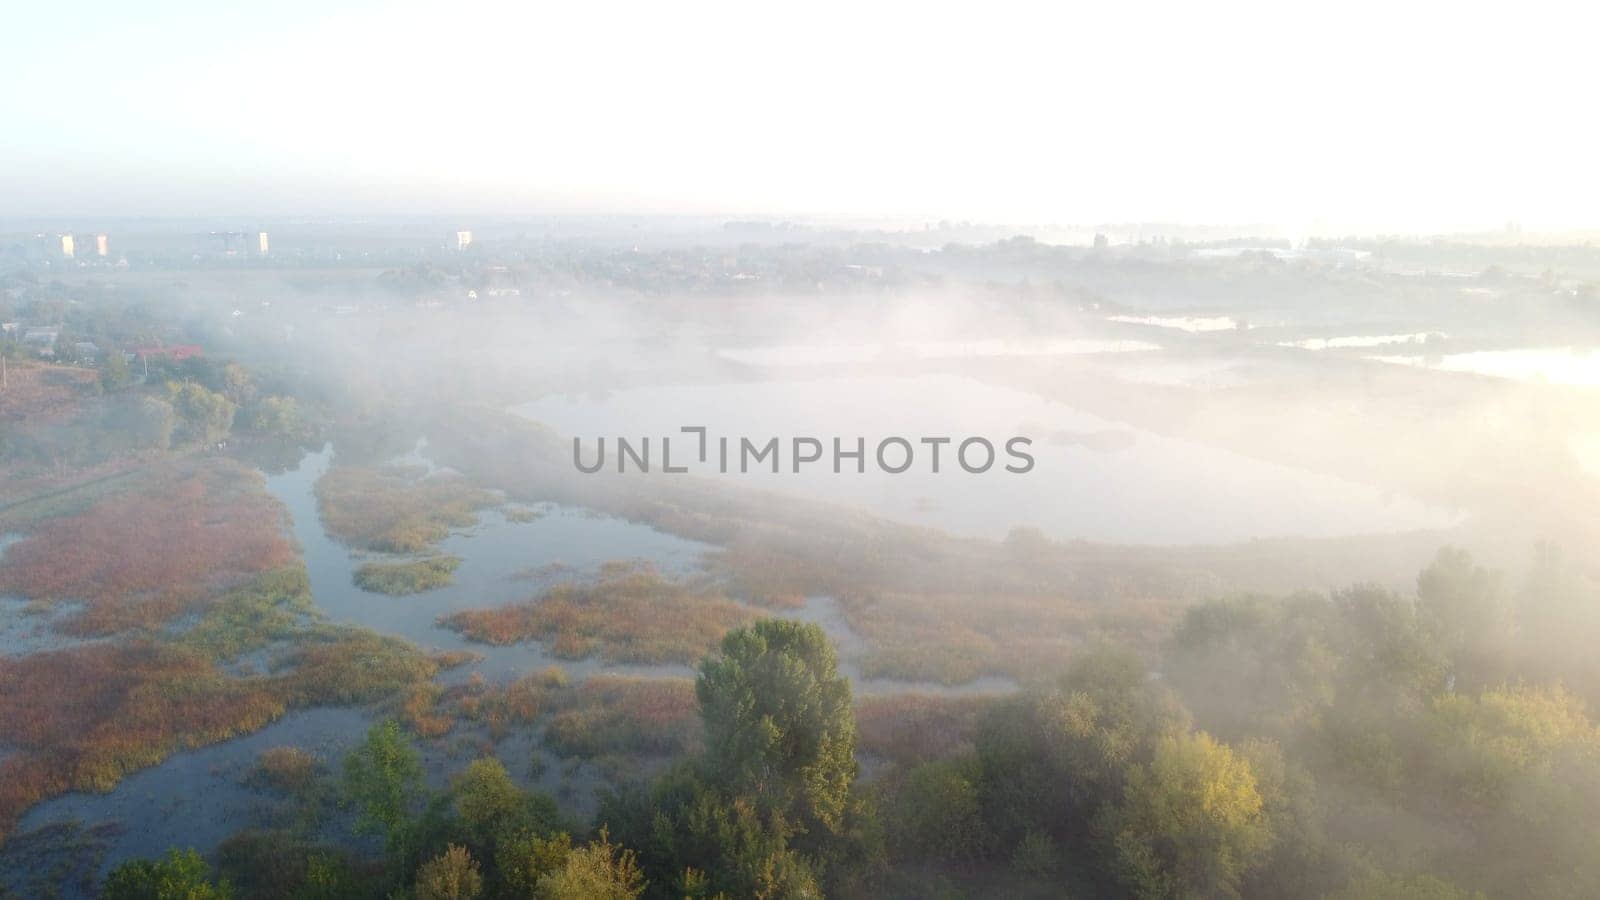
(811, 355)
(1094, 478)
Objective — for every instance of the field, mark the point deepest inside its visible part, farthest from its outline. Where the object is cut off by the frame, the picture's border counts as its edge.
(272, 608)
(287, 770)
(187, 567)
(910, 728)
(37, 391)
(141, 558)
(620, 715)
(432, 711)
(176, 538)
(80, 719)
(614, 717)
(348, 666)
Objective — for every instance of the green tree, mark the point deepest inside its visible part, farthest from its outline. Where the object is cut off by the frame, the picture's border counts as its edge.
(599, 870)
(681, 822)
(1191, 823)
(1389, 660)
(180, 875)
(1470, 614)
(524, 858)
(328, 877)
(495, 814)
(452, 875)
(114, 372)
(1037, 858)
(1501, 735)
(1052, 760)
(66, 346)
(486, 799)
(937, 813)
(1302, 861)
(779, 722)
(282, 865)
(279, 416)
(207, 416)
(139, 423)
(383, 780)
(237, 385)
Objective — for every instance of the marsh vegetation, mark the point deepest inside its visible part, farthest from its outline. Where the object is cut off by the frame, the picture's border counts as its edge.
(396, 509)
(627, 615)
(413, 577)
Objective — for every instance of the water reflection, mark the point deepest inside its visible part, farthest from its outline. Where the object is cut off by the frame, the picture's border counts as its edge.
(1191, 324)
(497, 558)
(794, 355)
(1575, 366)
(1363, 340)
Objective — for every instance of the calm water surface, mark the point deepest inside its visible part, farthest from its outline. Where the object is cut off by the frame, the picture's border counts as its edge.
(1094, 479)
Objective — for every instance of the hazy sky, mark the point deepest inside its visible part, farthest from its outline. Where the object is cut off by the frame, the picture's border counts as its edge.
(1383, 114)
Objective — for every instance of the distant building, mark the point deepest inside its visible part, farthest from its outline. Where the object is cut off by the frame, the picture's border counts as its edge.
(463, 239)
(10, 328)
(41, 340)
(96, 245)
(66, 246)
(236, 243)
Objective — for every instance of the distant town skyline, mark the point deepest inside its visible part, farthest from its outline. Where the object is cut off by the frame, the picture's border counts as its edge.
(1368, 117)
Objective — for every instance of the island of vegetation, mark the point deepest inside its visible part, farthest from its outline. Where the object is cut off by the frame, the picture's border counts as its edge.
(628, 615)
(410, 577)
(396, 509)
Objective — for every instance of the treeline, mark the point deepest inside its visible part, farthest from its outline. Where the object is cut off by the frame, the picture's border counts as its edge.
(195, 402)
(767, 812)
(1362, 744)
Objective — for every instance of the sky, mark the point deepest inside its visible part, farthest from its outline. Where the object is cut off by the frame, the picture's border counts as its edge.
(1388, 116)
